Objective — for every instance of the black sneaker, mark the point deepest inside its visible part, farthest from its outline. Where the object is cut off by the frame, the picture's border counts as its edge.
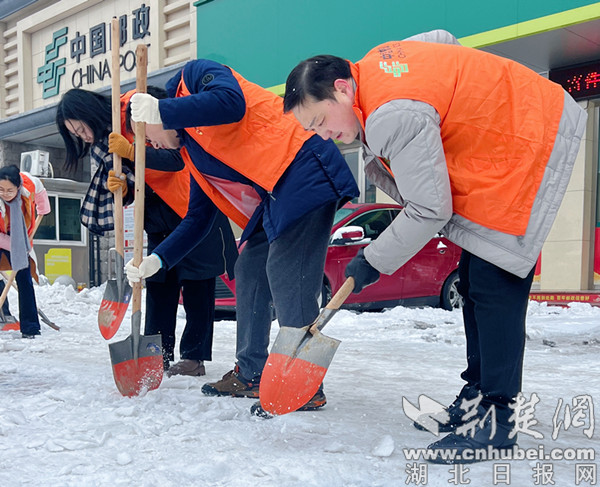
(454, 412)
(257, 410)
(29, 336)
(233, 384)
(316, 402)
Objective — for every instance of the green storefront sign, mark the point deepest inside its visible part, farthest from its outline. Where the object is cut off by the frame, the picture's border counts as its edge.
(264, 39)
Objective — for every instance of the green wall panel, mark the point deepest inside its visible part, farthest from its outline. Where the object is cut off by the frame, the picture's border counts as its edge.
(264, 39)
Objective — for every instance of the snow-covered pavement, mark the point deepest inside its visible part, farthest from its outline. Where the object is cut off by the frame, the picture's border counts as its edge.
(63, 422)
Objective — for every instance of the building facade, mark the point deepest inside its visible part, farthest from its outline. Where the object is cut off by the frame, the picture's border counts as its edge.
(48, 47)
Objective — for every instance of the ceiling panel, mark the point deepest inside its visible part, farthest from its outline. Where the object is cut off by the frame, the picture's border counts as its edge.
(553, 49)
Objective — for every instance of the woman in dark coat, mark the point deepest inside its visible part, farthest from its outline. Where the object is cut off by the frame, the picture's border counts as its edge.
(84, 121)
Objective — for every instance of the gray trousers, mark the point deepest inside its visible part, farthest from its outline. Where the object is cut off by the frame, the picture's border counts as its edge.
(288, 274)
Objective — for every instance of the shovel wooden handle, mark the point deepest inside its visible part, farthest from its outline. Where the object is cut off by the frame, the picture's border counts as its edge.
(36, 225)
(332, 307)
(141, 55)
(342, 294)
(116, 127)
(7, 286)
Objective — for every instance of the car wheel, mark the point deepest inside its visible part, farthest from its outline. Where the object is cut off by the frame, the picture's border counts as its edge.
(451, 298)
(325, 296)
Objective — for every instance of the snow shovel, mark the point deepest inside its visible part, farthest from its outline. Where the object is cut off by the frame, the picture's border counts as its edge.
(137, 361)
(299, 359)
(118, 291)
(11, 326)
(8, 325)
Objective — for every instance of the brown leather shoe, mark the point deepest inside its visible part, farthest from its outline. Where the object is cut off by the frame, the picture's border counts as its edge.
(187, 367)
(232, 384)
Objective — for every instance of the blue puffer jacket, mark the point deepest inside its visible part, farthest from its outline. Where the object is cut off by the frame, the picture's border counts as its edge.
(318, 174)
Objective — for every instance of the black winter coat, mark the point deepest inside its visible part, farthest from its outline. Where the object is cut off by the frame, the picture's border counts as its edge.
(213, 256)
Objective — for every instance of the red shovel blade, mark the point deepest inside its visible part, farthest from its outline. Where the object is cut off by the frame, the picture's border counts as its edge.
(137, 361)
(111, 314)
(11, 326)
(295, 369)
(134, 377)
(115, 301)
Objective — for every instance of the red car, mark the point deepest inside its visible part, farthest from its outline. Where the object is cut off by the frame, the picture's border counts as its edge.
(428, 279)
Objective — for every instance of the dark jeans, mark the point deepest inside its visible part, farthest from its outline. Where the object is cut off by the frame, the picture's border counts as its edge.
(162, 299)
(494, 317)
(287, 273)
(28, 316)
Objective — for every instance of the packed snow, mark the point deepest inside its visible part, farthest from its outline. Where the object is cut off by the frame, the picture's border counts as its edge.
(64, 423)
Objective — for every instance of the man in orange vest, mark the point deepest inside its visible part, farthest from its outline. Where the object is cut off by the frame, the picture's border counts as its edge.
(277, 182)
(475, 146)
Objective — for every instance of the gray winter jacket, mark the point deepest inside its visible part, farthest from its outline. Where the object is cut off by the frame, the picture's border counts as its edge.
(407, 133)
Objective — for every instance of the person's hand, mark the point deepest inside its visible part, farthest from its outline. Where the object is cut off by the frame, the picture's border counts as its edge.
(148, 267)
(114, 182)
(364, 274)
(117, 144)
(144, 108)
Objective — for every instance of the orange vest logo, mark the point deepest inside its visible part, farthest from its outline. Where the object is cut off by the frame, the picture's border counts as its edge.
(397, 68)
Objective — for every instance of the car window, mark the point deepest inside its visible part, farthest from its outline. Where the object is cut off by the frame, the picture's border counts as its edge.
(341, 214)
(373, 222)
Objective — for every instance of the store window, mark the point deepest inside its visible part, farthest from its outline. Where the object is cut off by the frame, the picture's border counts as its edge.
(62, 223)
(353, 157)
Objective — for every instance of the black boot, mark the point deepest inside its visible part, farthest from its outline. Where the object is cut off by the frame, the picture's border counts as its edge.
(484, 441)
(452, 416)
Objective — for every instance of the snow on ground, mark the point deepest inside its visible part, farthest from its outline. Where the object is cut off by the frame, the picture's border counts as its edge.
(63, 422)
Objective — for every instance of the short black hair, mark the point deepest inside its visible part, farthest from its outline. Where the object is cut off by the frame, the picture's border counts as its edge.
(314, 78)
(11, 173)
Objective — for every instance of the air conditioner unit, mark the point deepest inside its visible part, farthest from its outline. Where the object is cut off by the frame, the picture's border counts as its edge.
(36, 162)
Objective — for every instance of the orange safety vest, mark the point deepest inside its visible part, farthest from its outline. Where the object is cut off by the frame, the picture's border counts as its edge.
(261, 146)
(499, 120)
(28, 207)
(173, 187)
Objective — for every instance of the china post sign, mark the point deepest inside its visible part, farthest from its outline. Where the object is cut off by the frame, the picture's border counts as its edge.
(95, 42)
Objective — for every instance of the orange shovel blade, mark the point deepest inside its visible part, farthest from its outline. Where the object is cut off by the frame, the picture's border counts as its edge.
(295, 369)
(288, 384)
(11, 326)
